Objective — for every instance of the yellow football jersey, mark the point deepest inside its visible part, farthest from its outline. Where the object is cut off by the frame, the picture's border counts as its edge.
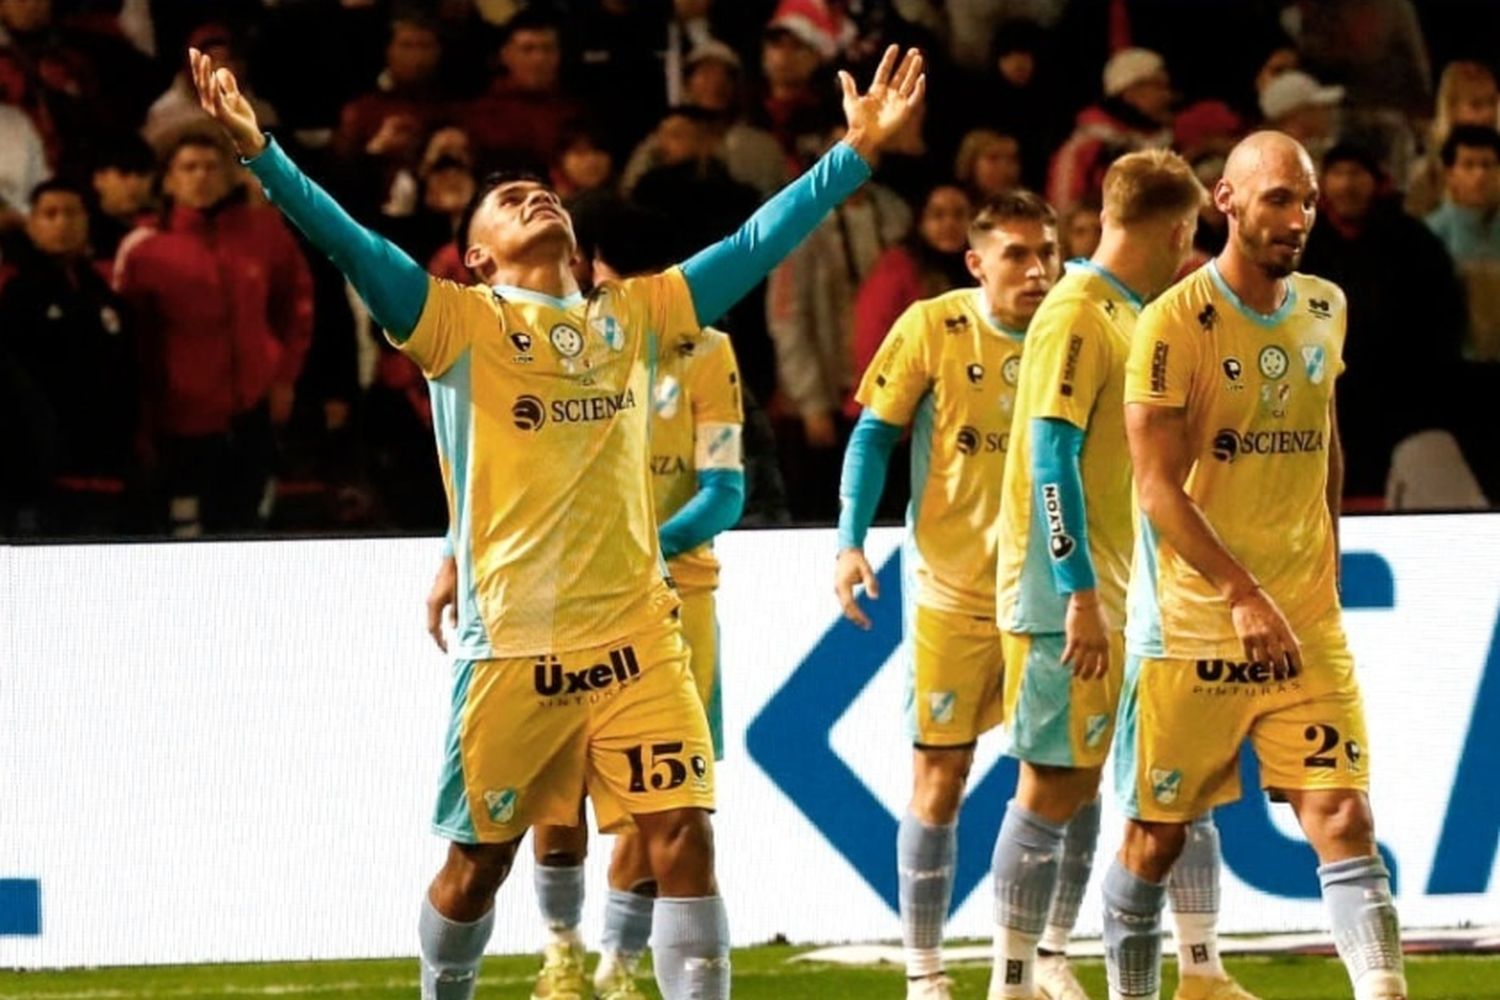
(949, 369)
(541, 408)
(1074, 370)
(1256, 389)
(695, 426)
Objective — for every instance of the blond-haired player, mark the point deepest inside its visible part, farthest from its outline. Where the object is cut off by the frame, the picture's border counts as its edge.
(1235, 631)
(948, 368)
(1065, 540)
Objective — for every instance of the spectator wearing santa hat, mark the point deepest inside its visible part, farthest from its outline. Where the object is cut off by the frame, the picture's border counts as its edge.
(1135, 114)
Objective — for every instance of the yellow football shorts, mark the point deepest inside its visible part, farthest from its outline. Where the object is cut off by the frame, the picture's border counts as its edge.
(1182, 723)
(700, 628)
(1055, 719)
(529, 736)
(953, 690)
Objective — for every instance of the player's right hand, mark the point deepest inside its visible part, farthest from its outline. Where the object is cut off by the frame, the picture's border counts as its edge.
(853, 570)
(219, 95)
(1264, 630)
(444, 595)
(1086, 648)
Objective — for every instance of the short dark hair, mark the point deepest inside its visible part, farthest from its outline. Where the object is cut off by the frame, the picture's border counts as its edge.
(1472, 136)
(1019, 205)
(196, 138)
(128, 154)
(530, 19)
(493, 180)
(57, 185)
(630, 239)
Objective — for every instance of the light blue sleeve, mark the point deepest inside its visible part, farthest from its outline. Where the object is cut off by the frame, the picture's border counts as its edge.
(721, 275)
(392, 284)
(716, 507)
(863, 479)
(447, 547)
(1058, 504)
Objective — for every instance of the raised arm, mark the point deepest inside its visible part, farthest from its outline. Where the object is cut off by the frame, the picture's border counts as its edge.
(722, 274)
(1161, 455)
(392, 284)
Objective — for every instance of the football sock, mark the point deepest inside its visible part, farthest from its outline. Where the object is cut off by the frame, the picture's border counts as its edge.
(627, 929)
(1366, 931)
(1132, 934)
(924, 867)
(691, 946)
(450, 953)
(1025, 864)
(1072, 878)
(1193, 888)
(559, 894)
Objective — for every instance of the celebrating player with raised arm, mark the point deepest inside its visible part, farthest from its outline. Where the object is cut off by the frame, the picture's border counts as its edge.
(948, 367)
(1065, 541)
(572, 671)
(1235, 630)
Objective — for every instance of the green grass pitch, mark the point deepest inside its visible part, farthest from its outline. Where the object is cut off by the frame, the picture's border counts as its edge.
(759, 974)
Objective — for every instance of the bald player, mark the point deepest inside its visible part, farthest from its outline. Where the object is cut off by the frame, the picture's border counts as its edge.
(1234, 629)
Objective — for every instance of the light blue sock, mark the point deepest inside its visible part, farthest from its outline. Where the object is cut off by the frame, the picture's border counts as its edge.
(1132, 933)
(1073, 873)
(924, 875)
(627, 923)
(1366, 930)
(559, 895)
(1025, 863)
(450, 953)
(1193, 888)
(690, 943)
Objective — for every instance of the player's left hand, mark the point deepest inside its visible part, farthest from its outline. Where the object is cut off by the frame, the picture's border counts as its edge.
(894, 96)
(444, 595)
(1087, 636)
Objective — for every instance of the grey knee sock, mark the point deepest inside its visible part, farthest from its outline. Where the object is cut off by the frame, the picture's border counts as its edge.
(627, 923)
(924, 870)
(559, 894)
(1132, 933)
(690, 943)
(1025, 863)
(1073, 873)
(1193, 888)
(450, 953)
(1366, 931)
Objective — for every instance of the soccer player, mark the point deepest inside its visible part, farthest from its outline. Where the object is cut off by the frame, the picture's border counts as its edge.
(699, 485)
(1064, 547)
(572, 669)
(1234, 628)
(948, 367)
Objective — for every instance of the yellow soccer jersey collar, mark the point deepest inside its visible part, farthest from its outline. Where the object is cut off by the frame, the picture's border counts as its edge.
(1084, 264)
(515, 293)
(1259, 318)
(993, 320)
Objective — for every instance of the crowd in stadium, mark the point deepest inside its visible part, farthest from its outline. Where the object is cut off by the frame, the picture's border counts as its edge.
(174, 358)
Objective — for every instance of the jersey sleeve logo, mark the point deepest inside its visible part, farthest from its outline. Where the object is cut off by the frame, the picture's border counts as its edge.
(1321, 308)
(1070, 365)
(1159, 368)
(1208, 317)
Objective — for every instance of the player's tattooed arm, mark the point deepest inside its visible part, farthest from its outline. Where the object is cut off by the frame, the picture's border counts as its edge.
(1162, 457)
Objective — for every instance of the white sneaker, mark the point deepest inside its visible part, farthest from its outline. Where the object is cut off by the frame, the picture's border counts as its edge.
(938, 987)
(1055, 979)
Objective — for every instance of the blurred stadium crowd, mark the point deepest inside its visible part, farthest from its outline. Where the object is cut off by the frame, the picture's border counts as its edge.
(175, 360)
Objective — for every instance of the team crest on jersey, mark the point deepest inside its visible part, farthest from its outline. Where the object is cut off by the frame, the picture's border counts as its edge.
(609, 330)
(1273, 362)
(941, 705)
(1315, 363)
(1011, 371)
(668, 397)
(566, 340)
(1094, 729)
(501, 805)
(1166, 785)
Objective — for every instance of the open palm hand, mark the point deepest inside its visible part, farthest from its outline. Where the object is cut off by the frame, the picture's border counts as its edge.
(894, 96)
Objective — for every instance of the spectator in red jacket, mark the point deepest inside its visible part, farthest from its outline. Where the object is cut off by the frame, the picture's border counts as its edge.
(929, 262)
(223, 302)
(522, 117)
(1136, 113)
(407, 101)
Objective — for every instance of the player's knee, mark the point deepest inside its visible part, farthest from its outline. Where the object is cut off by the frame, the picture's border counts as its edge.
(678, 841)
(938, 784)
(474, 872)
(1338, 825)
(1151, 848)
